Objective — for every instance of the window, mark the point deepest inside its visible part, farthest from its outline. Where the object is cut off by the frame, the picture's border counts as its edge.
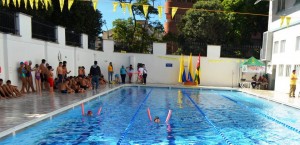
(298, 43)
(281, 5)
(280, 73)
(282, 46)
(297, 68)
(288, 70)
(275, 50)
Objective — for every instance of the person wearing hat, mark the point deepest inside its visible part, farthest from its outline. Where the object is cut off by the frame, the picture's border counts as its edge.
(22, 74)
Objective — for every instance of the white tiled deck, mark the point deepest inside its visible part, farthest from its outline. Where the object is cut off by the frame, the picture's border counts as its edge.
(32, 107)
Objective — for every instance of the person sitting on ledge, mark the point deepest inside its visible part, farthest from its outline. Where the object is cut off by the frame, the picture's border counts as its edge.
(254, 80)
(13, 88)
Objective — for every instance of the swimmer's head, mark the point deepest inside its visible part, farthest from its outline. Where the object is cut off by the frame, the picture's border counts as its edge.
(156, 119)
(90, 113)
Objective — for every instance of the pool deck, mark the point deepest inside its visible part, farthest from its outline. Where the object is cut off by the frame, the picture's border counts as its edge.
(33, 107)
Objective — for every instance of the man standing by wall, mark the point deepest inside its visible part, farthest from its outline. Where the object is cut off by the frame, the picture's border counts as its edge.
(293, 84)
(95, 72)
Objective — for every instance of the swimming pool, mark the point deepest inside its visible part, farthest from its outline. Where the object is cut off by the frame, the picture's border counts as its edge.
(198, 117)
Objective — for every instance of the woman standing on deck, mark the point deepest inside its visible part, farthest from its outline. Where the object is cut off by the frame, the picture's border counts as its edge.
(110, 69)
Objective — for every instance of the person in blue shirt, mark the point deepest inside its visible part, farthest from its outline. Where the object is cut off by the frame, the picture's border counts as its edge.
(123, 73)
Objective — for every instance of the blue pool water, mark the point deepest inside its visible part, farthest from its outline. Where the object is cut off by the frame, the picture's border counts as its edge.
(198, 117)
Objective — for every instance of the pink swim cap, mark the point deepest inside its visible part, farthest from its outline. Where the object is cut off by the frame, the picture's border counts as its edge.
(26, 63)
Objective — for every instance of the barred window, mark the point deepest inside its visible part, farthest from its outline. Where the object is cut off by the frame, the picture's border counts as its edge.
(288, 70)
(298, 43)
(275, 49)
(282, 46)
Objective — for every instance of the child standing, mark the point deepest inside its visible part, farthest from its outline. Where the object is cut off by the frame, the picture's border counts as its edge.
(50, 79)
(38, 78)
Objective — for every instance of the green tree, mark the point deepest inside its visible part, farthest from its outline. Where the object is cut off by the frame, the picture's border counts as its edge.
(81, 18)
(244, 26)
(205, 26)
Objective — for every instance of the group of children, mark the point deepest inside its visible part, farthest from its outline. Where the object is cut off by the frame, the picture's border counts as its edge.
(8, 90)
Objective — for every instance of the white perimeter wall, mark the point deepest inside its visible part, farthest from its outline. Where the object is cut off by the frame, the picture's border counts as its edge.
(215, 71)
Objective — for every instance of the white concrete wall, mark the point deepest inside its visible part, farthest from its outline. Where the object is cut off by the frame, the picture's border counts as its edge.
(289, 57)
(215, 71)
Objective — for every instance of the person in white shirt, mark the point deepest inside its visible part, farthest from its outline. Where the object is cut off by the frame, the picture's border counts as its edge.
(140, 74)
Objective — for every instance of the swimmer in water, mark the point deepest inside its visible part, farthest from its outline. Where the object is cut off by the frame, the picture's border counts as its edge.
(89, 113)
(156, 119)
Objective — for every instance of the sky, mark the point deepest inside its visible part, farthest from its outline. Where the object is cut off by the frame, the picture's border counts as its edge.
(106, 8)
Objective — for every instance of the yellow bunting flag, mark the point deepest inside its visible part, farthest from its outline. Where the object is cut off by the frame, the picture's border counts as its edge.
(61, 4)
(50, 2)
(25, 3)
(174, 10)
(129, 8)
(123, 7)
(115, 4)
(15, 2)
(95, 2)
(7, 2)
(19, 3)
(145, 8)
(46, 4)
(37, 4)
(3, 2)
(282, 20)
(31, 3)
(70, 3)
(288, 20)
(159, 8)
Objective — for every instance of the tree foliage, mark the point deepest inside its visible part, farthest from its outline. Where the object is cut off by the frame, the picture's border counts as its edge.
(215, 27)
(81, 18)
(135, 36)
(210, 27)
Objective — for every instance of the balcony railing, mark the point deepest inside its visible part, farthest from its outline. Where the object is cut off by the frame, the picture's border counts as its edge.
(73, 38)
(43, 31)
(8, 22)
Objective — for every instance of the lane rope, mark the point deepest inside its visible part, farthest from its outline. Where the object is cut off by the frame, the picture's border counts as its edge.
(262, 114)
(133, 118)
(207, 119)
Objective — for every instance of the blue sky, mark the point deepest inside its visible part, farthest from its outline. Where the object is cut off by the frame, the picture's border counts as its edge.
(106, 8)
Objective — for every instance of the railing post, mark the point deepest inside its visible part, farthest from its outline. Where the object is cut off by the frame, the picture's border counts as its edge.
(24, 26)
(61, 35)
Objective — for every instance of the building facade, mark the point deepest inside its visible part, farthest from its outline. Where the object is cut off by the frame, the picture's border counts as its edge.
(171, 24)
(281, 44)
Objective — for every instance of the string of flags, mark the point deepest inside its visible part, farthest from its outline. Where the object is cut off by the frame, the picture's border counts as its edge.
(47, 3)
(288, 20)
(44, 3)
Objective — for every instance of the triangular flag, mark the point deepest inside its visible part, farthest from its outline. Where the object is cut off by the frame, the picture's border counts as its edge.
(46, 4)
(70, 3)
(50, 2)
(129, 8)
(3, 2)
(61, 4)
(174, 10)
(282, 20)
(37, 4)
(123, 5)
(145, 8)
(19, 3)
(159, 8)
(15, 3)
(7, 2)
(31, 3)
(288, 20)
(115, 4)
(95, 2)
(25, 3)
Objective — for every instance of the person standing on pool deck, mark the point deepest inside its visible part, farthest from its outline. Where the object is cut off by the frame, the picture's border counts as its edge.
(123, 74)
(110, 70)
(95, 72)
(144, 74)
(293, 84)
